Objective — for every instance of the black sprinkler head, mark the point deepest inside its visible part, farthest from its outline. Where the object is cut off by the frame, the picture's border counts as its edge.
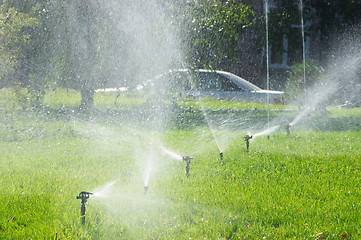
(288, 129)
(188, 160)
(221, 155)
(247, 138)
(83, 196)
(145, 189)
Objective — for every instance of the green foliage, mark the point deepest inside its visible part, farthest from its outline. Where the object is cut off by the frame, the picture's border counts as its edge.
(213, 29)
(20, 96)
(300, 81)
(61, 97)
(69, 51)
(13, 38)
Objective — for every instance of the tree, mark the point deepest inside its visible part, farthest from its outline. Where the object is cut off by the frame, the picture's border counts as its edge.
(101, 43)
(13, 37)
(75, 48)
(70, 49)
(104, 44)
(33, 69)
(64, 49)
(211, 31)
(298, 83)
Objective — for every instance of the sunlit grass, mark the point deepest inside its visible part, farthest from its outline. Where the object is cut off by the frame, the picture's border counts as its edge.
(212, 104)
(7, 99)
(61, 97)
(305, 185)
(118, 100)
(345, 112)
(289, 186)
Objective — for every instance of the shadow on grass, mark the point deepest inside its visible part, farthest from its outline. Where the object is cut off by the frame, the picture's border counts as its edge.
(151, 116)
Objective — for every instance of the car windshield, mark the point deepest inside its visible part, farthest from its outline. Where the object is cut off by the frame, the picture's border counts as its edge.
(243, 82)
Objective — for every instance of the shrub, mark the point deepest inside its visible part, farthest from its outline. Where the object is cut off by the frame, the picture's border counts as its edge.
(298, 82)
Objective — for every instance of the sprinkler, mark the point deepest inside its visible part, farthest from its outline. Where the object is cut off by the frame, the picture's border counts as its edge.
(145, 189)
(83, 196)
(247, 138)
(188, 160)
(221, 155)
(288, 128)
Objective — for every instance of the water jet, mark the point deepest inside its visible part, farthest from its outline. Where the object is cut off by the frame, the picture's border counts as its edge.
(172, 154)
(211, 128)
(84, 197)
(147, 176)
(188, 160)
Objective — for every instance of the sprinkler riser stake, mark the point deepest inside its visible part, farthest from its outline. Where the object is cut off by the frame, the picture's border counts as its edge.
(247, 138)
(288, 129)
(84, 197)
(145, 190)
(188, 160)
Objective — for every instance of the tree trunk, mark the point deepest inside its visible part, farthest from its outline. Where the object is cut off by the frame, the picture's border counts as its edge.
(87, 98)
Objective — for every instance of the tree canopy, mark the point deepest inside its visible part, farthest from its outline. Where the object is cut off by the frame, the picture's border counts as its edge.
(212, 31)
(14, 36)
(107, 43)
(77, 45)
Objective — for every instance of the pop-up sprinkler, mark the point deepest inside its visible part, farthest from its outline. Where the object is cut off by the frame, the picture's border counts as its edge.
(83, 196)
(221, 155)
(145, 189)
(188, 160)
(288, 129)
(247, 138)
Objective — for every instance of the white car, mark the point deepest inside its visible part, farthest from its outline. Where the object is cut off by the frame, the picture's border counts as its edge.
(219, 85)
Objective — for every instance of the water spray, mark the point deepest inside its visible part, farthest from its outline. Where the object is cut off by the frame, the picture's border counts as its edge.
(83, 196)
(188, 160)
(247, 138)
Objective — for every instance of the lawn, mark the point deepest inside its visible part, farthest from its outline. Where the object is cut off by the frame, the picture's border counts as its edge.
(302, 185)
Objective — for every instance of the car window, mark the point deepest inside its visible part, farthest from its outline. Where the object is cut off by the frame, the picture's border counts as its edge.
(180, 80)
(214, 81)
(228, 85)
(209, 81)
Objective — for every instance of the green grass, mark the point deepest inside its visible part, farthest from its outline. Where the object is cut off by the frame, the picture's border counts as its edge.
(61, 97)
(229, 105)
(305, 185)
